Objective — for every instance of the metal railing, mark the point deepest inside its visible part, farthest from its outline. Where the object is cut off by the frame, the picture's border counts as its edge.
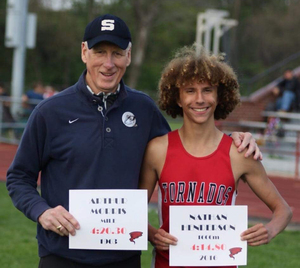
(274, 72)
(12, 125)
(285, 151)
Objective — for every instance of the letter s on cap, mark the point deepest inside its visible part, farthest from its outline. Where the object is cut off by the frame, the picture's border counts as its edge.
(107, 25)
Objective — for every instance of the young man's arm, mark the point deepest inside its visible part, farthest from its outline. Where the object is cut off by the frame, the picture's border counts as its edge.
(254, 174)
(151, 168)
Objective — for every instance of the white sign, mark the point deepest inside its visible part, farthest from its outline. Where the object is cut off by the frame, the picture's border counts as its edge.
(208, 235)
(110, 219)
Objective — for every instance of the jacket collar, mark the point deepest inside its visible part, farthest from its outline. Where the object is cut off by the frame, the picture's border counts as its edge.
(82, 88)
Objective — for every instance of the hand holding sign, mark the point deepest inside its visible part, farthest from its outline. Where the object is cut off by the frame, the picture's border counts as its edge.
(110, 219)
(208, 235)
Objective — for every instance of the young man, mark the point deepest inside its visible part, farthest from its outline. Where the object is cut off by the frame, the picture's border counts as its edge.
(92, 135)
(186, 162)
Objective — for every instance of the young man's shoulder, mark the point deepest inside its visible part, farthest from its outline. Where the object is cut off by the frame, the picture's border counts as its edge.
(157, 150)
(240, 163)
(158, 142)
(158, 145)
(238, 157)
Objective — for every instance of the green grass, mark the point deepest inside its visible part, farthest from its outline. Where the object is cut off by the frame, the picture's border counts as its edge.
(18, 246)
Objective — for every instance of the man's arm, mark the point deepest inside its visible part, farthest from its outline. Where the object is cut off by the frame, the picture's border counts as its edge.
(22, 178)
(23, 173)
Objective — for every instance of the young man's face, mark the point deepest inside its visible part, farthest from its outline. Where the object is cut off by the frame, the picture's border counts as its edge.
(106, 64)
(198, 102)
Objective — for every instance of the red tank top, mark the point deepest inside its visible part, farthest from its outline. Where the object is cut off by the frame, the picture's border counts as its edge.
(190, 180)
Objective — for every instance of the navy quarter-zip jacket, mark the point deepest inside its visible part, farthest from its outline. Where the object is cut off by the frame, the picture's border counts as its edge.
(75, 145)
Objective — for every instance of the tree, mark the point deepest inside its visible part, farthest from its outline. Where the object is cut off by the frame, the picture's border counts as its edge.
(266, 34)
(268, 37)
(145, 14)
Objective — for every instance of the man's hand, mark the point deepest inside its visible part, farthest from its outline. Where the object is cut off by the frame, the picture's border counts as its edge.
(276, 91)
(59, 220)
(160, 239)
(256, 235)
(245, 139)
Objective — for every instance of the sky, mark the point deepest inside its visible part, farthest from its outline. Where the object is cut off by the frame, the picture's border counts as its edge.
(65, 4)
(58, 4)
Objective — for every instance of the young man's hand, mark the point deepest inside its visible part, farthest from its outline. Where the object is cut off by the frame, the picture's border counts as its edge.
(160, 239)
(257, 235)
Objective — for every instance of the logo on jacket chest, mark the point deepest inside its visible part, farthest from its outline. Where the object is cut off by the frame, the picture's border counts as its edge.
(195, 193)
(129, 119)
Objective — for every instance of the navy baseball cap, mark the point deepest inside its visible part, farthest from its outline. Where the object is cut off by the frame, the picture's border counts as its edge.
(107, 28)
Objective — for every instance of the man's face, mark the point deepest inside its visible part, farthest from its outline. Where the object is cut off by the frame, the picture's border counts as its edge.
(288, 75)
(39, 89)
(198, 102)
(106, 64)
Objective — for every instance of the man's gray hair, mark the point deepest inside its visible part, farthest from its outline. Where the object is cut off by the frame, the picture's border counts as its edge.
(129, 46)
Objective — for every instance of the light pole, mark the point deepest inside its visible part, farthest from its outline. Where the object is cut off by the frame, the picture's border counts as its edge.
(212, 19)
(20, 34)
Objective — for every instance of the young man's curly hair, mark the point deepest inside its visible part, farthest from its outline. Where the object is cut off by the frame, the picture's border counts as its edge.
(186, 68)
